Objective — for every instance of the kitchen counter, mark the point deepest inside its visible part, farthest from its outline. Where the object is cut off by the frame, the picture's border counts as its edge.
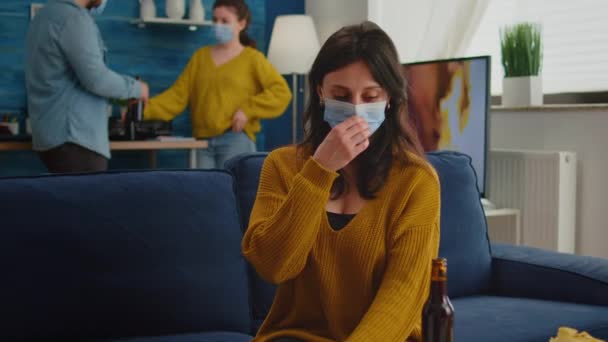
(23, 143)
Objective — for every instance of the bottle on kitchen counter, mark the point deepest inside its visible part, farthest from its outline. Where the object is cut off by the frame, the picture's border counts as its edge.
(135, 114)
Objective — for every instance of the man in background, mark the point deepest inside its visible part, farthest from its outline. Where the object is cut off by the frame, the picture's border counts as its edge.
(68, 87)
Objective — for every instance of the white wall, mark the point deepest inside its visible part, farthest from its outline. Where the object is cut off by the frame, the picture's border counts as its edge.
(582, 131)
(331, 15)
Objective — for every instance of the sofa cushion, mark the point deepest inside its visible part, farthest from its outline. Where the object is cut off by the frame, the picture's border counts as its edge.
(464, 238)
(202, 337)
(246, 170)
(504, 319)
(121, 254)
(522, 271)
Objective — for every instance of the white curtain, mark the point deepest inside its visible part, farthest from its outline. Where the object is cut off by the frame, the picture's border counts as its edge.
(331, 15)
(428, 29)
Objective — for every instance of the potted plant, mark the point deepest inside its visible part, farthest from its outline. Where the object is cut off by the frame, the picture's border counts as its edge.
(522, 54)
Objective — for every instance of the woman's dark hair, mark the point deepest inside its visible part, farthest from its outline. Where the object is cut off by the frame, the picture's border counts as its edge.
(243, 13)
(368, 43)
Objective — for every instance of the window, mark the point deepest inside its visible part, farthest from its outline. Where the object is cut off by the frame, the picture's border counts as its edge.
(575, 41)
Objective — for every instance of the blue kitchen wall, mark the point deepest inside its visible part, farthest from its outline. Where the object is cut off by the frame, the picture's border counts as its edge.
(157, 53)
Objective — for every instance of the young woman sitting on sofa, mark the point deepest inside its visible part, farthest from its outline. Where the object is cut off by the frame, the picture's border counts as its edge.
(347, 222)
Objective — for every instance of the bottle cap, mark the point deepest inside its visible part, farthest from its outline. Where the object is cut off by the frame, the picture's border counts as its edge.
(440, 270)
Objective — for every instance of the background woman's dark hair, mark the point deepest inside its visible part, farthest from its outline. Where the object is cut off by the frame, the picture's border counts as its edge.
(365, 42)
(243, 13)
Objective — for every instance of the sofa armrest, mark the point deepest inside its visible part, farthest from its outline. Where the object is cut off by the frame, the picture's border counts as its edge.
(535, 273)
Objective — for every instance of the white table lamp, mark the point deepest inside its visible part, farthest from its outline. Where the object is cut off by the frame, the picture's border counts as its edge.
(294, 45)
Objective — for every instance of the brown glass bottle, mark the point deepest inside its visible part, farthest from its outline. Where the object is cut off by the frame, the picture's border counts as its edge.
(438, 312)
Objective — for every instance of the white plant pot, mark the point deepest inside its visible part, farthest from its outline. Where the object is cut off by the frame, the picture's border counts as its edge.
(176, 9)
(522, 91)
(147, 9)
(197, 11)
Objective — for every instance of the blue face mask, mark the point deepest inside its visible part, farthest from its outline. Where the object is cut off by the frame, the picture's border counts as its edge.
(223, 33)
(338, 111)
(99, 9)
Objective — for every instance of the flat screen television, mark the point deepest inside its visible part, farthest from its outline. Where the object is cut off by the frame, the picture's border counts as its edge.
(449, 102)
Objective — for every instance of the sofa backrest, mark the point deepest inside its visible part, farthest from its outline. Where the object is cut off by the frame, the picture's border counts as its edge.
(464, 239)
(464, 234)
(121, 254)
(246, 171)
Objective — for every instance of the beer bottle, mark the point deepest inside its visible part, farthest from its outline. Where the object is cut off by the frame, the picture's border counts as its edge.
(438, 312)
(134, 115)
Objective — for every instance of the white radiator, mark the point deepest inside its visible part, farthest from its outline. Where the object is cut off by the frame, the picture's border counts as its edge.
(542, 185)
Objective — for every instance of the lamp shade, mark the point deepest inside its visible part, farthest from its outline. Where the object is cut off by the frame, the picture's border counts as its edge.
(294, 44)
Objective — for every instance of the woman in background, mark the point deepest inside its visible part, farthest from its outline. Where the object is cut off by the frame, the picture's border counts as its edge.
(347, 223)
(229, 87)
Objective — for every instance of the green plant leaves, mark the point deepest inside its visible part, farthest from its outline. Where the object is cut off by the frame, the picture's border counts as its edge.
(522, 50)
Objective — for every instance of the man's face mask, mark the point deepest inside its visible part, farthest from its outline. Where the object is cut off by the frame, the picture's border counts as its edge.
(99, 9)
(338, 111)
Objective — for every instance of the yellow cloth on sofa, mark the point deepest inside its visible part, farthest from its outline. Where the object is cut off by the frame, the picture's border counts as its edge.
(566, 334)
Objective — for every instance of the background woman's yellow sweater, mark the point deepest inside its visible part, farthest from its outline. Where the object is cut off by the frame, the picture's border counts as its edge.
(215, 93)
(366, 282)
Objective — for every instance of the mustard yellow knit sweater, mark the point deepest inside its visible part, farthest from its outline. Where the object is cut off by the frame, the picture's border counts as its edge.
(214, 93)
(366, 282)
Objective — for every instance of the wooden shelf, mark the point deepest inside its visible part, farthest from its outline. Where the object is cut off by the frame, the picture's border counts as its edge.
(192, 24)
(141, 145)
(157, 145)
(555, 108)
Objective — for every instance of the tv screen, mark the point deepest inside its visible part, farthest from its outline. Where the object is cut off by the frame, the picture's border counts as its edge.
(448, 106)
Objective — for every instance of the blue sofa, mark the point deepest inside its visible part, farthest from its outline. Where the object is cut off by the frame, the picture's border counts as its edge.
(155, 256)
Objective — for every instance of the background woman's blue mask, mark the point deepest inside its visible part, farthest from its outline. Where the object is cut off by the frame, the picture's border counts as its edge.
(338, 111)
(99, 9)
(223, 33)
